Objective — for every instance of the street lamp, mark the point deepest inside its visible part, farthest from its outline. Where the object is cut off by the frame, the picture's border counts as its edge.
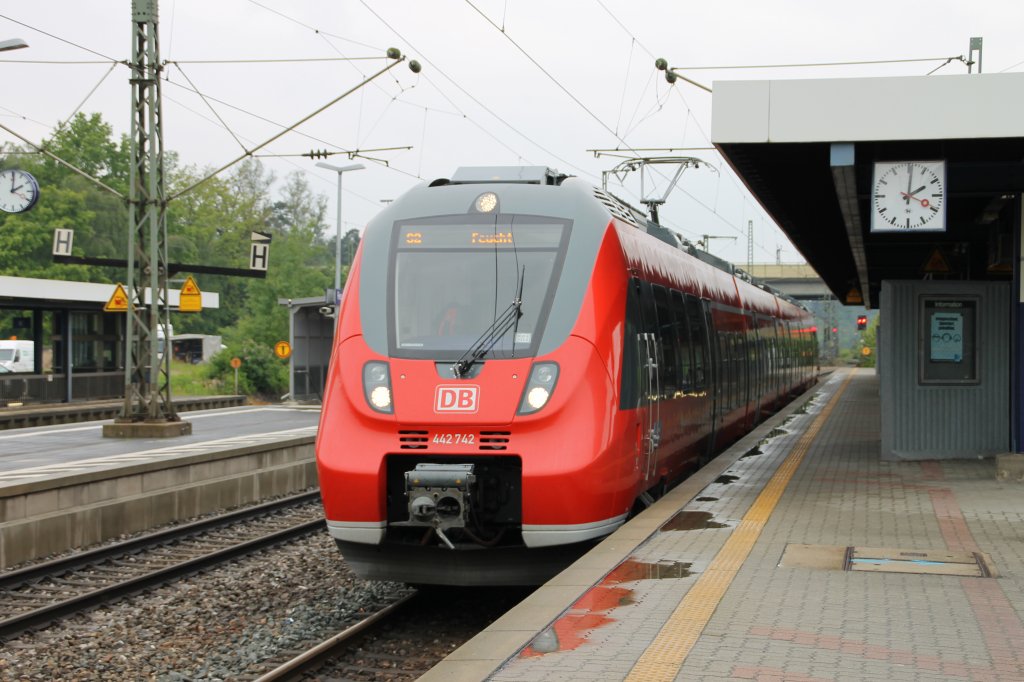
(12, 44)
(337, 240)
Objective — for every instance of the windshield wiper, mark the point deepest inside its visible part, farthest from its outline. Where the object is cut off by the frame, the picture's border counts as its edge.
(483, 345)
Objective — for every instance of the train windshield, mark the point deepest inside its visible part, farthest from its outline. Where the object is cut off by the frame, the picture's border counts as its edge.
(452, 280)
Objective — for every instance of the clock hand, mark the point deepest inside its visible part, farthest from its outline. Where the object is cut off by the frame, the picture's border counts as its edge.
(918, 190)
(924, 202)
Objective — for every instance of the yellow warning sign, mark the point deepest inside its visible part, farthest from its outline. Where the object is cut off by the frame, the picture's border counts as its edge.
(118, 302)
(853, 297)
(283, 350)
(936, 262)
(190, 298)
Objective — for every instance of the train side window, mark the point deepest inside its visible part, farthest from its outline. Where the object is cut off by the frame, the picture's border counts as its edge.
(685, 344)
(698, 336)
(649, 320)
(667, 339)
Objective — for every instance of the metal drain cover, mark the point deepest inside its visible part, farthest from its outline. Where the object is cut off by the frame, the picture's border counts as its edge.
(888, 560)
(931, 562)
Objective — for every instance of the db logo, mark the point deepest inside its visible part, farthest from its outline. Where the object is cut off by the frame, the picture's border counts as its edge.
(456, 399)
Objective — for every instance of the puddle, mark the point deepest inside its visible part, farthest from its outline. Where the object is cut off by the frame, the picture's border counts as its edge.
(752, 452)
(726, 479)
(806, 407)
(774, 433)
(692, 520)
(591, 610)
(707, 499)
(588, 613)
(631, 569)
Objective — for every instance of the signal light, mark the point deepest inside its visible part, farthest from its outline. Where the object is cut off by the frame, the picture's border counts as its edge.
(835, 330)
(862, 322)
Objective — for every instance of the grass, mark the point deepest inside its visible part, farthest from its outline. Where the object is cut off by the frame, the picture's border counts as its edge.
(188, 380)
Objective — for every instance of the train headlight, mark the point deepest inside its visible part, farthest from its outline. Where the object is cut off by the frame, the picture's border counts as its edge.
(486, 202)
(377, 386)
(539, 387)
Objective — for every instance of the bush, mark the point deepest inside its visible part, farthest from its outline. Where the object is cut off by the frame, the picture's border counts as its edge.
(262, 373)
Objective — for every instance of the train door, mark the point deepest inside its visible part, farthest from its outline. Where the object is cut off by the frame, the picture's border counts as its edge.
(641, 386)
(756, 366)
(700, 315)
(650, 356)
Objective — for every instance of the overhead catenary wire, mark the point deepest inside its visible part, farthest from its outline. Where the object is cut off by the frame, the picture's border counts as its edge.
(804, 65)
(483, 106)
(285, 157)
(81, 104)
(242, 110)
(376, 48)
(282, 60)
(206, 101)
(63, 40)
(288, 129)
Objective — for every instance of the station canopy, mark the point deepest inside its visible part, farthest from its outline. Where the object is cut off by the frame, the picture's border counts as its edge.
(808, 149)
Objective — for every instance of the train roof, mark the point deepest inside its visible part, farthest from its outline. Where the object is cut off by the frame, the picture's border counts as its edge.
(623, 210)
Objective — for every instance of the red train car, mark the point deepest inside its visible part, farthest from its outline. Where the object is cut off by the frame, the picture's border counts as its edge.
(521, 362)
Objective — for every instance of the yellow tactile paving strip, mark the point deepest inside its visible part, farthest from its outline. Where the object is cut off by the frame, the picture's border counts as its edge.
(666, 654)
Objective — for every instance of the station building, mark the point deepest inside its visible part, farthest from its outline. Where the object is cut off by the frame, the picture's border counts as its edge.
(904, 194)
(78, 349)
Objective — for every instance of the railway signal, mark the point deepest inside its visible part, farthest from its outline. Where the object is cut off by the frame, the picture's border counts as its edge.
(862, 322)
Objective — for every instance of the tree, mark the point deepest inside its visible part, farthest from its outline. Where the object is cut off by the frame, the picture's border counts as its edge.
(67, 200)
(210, 225)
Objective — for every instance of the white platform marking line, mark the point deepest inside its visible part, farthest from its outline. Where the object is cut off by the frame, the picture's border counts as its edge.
(204, 414)
(151, 455)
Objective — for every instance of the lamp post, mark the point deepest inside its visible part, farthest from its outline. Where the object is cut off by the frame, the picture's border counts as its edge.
(12, 44)
(337, 241)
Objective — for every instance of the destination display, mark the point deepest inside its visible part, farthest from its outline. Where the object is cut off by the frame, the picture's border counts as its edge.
(473, 236)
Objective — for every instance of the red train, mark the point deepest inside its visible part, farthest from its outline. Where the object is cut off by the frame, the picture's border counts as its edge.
(522, 361)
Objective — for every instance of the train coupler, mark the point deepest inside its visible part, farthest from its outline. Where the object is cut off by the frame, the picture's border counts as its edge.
(439, 497)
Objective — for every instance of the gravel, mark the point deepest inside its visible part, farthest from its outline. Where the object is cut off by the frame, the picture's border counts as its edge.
(229, 623)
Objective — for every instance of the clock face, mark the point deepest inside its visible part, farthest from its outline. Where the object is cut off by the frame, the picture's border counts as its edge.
(909, 196)
(19, 191)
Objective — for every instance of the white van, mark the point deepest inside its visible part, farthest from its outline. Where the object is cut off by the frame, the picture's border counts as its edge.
(17, 356)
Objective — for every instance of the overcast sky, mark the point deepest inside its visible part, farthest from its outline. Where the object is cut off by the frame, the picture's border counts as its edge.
(504, 82)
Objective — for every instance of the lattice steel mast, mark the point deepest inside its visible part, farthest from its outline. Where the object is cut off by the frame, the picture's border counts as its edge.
(147, 374)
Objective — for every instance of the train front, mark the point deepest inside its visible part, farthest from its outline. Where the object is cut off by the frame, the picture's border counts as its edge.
(465, 435)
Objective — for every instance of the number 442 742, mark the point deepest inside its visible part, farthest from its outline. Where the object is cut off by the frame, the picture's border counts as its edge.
(454, 439)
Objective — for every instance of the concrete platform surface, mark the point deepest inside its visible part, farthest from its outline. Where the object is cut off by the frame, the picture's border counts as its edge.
(796, 555)
(74, 445)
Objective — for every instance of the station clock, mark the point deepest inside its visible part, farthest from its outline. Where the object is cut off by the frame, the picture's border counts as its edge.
(19, 191)
(909, 196)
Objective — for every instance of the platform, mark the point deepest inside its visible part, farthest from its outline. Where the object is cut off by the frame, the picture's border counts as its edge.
(796, 555)
(66, 487)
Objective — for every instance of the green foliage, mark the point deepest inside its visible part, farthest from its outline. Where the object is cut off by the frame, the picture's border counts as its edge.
(209, 225)
(191, 380)
(262, 373)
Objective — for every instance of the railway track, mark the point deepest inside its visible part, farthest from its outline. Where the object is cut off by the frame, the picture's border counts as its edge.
(403, 640)
(43, 593)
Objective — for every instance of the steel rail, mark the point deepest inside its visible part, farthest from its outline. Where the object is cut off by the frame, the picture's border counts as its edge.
(49, 613)
(304, 662)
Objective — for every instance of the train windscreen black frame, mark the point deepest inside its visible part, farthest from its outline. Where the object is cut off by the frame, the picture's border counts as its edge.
(452, 276)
